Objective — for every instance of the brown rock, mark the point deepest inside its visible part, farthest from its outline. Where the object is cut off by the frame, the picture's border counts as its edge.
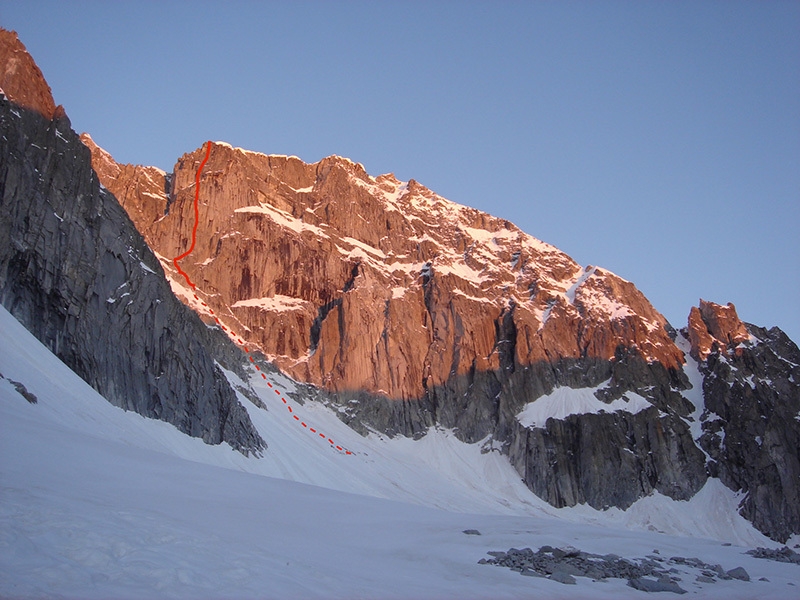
(21, 79)
(359, 283)
(699, 337)
(723, 323)
(142, 191)
(714, 324)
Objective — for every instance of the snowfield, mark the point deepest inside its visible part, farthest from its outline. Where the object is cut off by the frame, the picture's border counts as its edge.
(96, 502)
(565, 401)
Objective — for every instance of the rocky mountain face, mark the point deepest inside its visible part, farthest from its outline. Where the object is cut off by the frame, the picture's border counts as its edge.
(411, 311)
(361, 284)
(76, 272)
(751, 421)
(406, 311)
(23, 79)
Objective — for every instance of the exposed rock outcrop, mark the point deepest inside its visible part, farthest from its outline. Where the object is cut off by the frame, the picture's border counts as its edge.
(564, 564)
(356, 283)
(571, 461)
(751, 422)
(714, 326)
(142, 191)
(76, 272)
(21, 78)
(403, 309)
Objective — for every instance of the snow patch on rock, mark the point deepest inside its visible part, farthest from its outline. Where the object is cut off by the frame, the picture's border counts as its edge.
(565, 401)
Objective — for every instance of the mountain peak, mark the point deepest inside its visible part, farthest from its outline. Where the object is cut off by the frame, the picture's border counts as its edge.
(21, 79)
(389, 288)
(713, 324)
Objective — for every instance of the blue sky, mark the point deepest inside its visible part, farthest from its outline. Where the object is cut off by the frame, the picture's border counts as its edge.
(660, 140)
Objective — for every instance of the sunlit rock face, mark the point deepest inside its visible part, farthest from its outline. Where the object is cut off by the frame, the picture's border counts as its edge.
(712, 324)
(408, 311)
(353, 282)
(21, 79)
(76, 272)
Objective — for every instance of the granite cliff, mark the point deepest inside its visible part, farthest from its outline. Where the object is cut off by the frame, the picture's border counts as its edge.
(406, 311)
(76, 272)
(411, 311)
(356, 283)
(750, 424)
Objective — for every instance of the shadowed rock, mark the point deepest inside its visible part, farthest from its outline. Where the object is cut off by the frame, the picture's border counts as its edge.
(77, 274)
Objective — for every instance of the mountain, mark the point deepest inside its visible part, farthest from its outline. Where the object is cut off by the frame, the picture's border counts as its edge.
(751, 421)
(101, 503)
(413, 312)
(292, 253)
(402, 311)
(76, 272)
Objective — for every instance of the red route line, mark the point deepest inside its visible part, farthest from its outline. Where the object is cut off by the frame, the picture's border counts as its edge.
(194, 287)
(196, 219)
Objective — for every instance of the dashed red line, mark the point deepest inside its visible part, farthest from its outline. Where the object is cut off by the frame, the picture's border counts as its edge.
(291, 410)
(240, 341)
(294, 416)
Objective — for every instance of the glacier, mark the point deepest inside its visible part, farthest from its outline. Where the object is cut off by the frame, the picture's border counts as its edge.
(96, 502)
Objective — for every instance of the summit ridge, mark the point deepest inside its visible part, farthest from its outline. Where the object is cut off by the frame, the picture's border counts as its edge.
(440, 274)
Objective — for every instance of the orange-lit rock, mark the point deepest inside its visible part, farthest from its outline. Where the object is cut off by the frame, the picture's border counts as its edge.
(353, 282)
(21, 79)
(714, 324)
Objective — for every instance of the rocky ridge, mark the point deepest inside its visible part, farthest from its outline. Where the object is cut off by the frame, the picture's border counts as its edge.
(653, 573)
(294, 254)
(750, 422)
(76, 272)
(409, 311)
(21, 78)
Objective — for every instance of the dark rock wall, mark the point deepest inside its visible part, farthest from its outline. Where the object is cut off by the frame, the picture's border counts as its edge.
(751, 427)
(610, 459)
(75, 271)
(750, 421)
(604, 460)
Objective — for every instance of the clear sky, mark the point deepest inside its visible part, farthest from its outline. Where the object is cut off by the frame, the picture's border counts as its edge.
(660, 140)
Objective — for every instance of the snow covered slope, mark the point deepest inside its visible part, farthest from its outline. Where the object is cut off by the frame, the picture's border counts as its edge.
(96, 502)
